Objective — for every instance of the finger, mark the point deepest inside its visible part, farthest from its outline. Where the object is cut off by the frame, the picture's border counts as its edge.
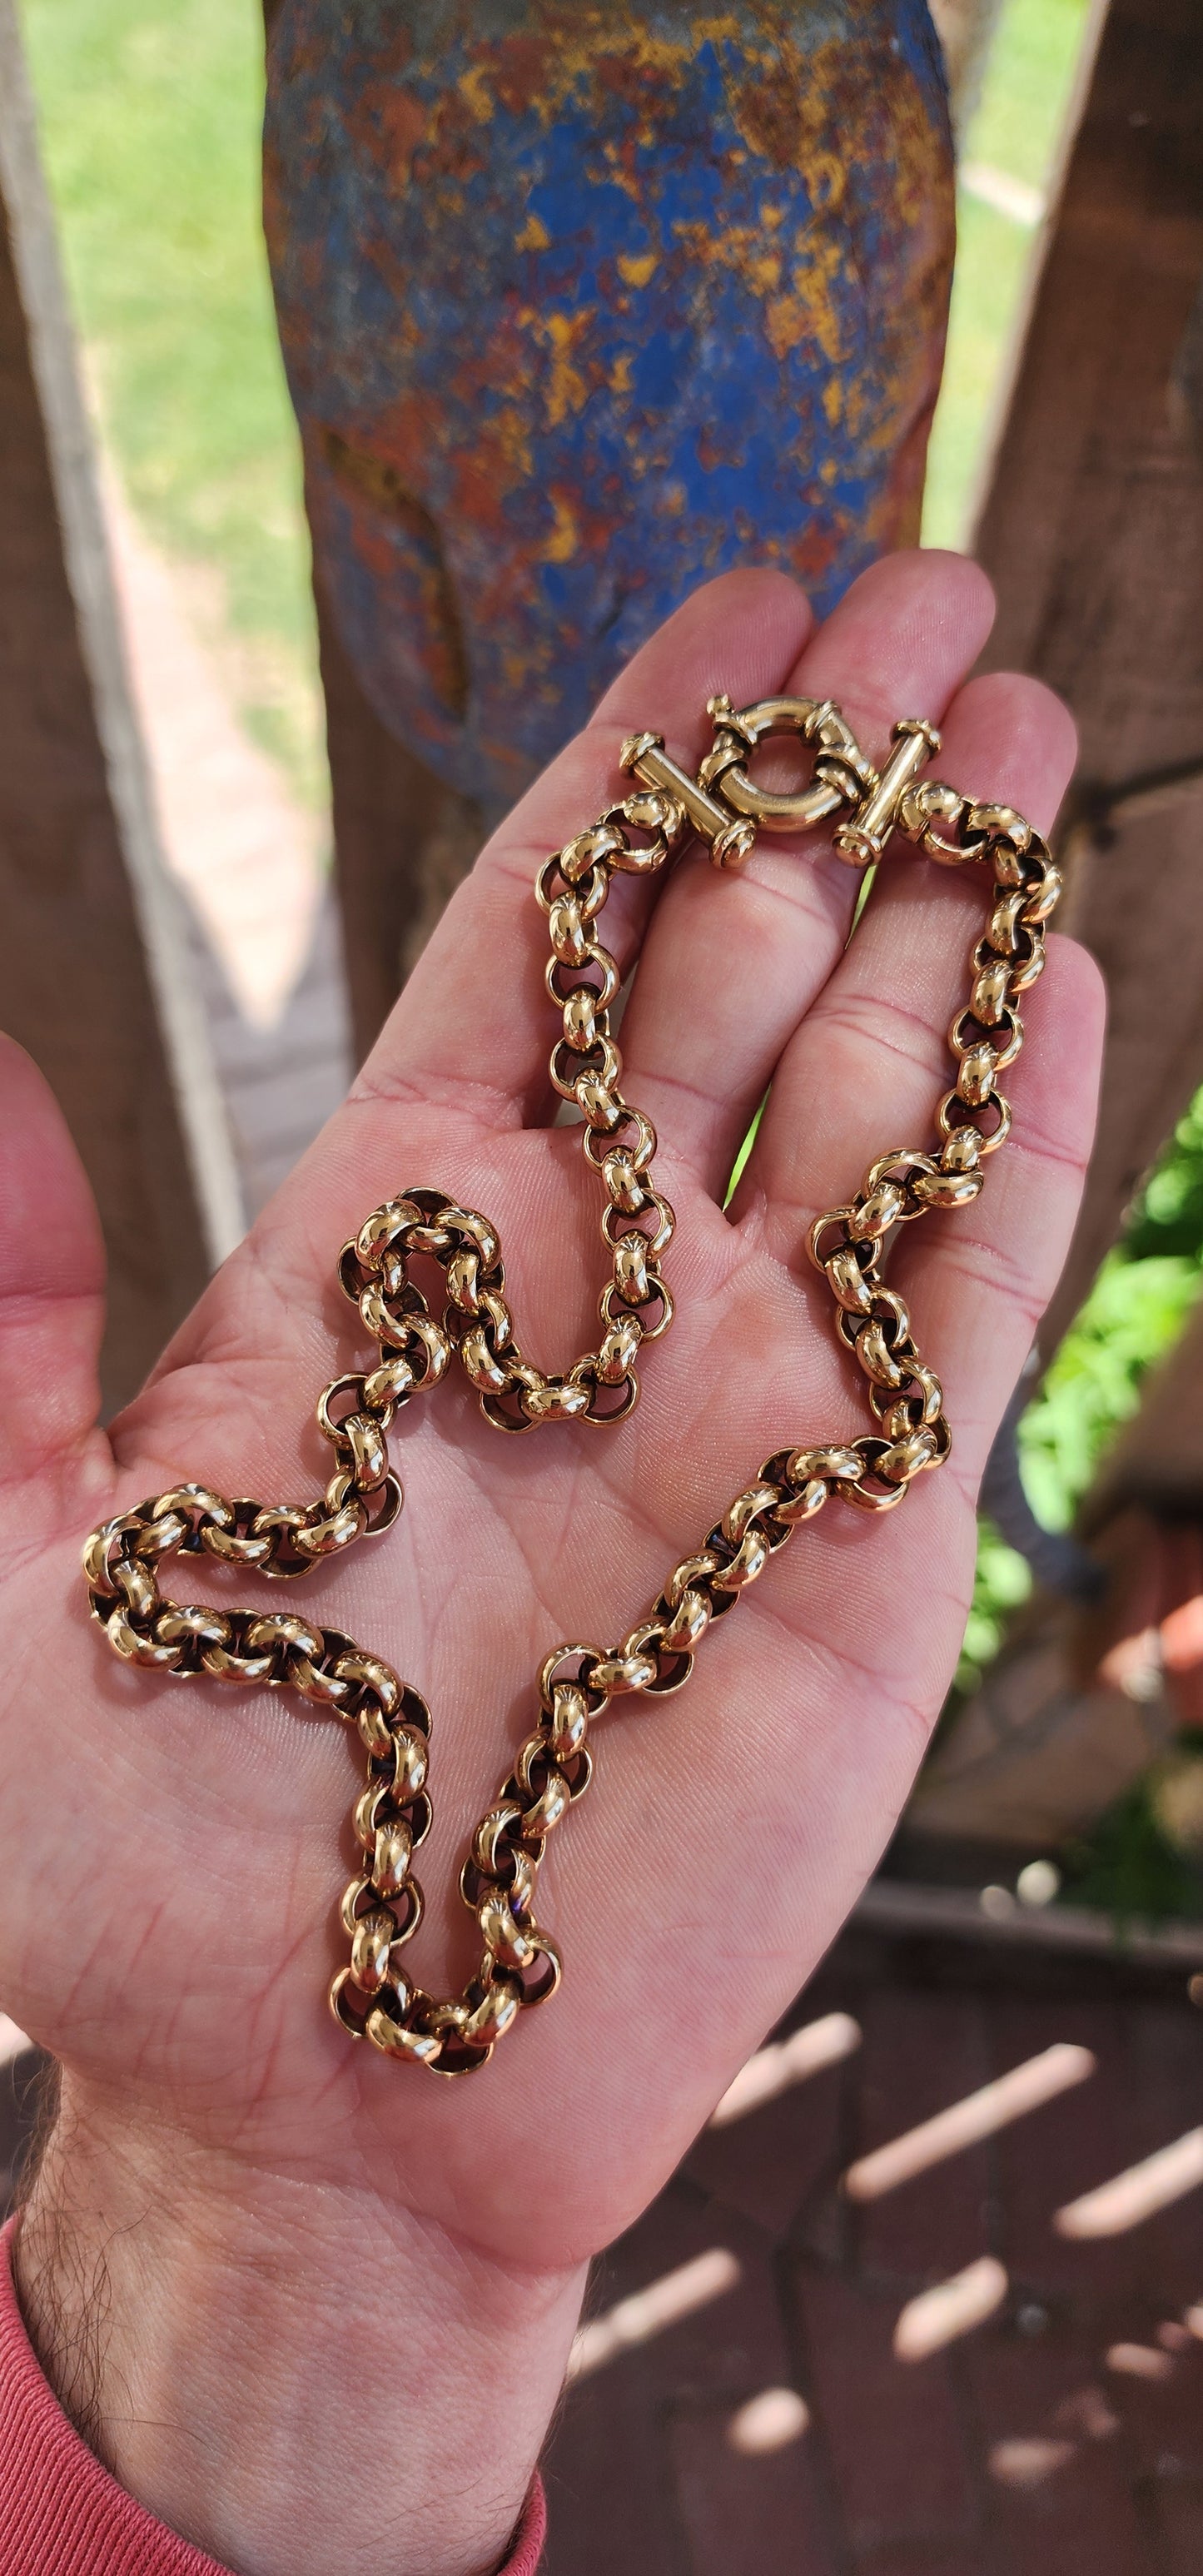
(729, 966)
(865, 1073)
(474, 1024)
(51, 1287)
(979, 1284)
(870, 1062)
(467, 1044)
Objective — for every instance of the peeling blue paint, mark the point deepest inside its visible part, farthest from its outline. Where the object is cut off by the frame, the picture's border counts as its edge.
(583, 304)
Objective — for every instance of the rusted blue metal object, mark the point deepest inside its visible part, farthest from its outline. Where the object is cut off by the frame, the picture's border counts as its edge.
(583, 304)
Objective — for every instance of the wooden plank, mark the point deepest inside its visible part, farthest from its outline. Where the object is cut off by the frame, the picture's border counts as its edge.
(280, 1083)
(91, 979)
(402, 841)
(1093, 535)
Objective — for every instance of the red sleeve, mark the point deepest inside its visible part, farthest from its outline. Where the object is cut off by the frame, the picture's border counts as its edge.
(61, 2514)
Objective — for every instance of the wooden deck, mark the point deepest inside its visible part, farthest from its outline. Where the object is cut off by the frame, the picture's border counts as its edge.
(279, 1083)
(1061, 2437)
(743, 2409)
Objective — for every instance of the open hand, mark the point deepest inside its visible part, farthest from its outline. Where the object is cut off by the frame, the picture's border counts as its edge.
(172, 1858)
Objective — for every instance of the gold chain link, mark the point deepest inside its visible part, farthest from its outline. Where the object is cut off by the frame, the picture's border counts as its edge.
(373, 1996)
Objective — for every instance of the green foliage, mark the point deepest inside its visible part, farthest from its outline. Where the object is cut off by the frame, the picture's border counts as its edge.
(1137, 1307)
(1002, 1581)
(1134, 1313)
(1168, 1219)
(1127, 1867)
(150, 128)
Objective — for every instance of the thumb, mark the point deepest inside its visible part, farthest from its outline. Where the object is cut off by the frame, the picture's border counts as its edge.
(51, 1284)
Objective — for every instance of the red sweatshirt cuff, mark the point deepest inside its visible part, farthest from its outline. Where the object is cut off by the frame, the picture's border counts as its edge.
(61, 2514)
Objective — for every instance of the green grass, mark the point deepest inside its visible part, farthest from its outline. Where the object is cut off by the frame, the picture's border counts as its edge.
(1017, 129)
(150, 129)
(1026, 90)
(992, 265)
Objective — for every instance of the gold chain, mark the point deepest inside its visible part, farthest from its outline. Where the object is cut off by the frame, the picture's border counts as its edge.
(372, 1996)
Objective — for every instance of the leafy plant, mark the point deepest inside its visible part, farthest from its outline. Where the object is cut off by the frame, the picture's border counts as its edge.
(1135, 1311)
(1127, 1866)
(1133, 1315)
(1002, 1581)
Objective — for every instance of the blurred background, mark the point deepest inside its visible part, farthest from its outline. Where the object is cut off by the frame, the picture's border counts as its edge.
(235, 806)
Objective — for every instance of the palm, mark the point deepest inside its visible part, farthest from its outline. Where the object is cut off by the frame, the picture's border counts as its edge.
(172, 1858)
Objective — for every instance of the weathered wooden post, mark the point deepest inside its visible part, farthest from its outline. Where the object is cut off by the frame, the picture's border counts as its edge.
(581, 304)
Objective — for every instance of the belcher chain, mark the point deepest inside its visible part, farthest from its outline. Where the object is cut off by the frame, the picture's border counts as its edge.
(373, 1996)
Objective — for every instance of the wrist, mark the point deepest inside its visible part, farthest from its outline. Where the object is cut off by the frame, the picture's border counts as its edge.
(300, 2379)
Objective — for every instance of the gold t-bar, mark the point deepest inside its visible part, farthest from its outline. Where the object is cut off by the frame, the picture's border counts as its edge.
(728, 809)
(731, 836)
(863, 837)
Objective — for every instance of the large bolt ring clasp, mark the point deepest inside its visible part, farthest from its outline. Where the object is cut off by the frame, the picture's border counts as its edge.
(728, 809)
